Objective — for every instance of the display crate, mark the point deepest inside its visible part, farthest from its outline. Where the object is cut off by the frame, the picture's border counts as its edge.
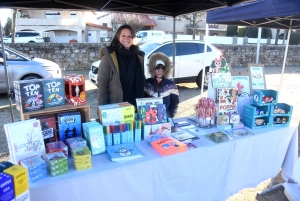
(287, 108)
(250, 111)
(83, 109)
(286, 118)
(260, 95)
(250, 122)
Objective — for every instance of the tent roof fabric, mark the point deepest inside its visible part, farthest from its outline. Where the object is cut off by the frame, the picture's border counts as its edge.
(263, 13)
(157, 7)
(147, 21)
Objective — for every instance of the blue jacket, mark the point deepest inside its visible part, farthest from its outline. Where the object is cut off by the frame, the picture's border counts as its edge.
(168, 92)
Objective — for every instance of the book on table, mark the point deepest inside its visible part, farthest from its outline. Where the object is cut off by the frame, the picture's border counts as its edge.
(219, 137)
(123, 152)
(167, 146)
(24, 139)
(180, 134)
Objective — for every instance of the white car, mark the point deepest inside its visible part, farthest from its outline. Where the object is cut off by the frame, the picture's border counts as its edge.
(25, 37)
(23, 67)
(188, 60)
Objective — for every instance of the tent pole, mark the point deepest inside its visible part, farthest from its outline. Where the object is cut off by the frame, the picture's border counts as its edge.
(285, 54)
(174, 48)
(258, 45)
(6, 76)
(204, 58)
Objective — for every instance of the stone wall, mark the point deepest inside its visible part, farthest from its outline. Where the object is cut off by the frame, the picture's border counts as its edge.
(80, 56)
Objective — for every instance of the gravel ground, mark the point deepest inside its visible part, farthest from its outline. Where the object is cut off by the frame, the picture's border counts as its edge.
(189, 95)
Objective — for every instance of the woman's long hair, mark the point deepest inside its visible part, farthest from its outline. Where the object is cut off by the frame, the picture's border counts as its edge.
(115, 41)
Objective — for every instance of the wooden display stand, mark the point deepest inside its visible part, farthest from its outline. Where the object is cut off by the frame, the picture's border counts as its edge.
(83, 109)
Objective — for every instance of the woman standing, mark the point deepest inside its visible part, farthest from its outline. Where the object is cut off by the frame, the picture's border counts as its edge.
(121, 71)
(160, 68)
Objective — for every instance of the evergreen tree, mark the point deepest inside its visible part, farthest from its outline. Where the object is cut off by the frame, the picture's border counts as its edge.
(8, 26)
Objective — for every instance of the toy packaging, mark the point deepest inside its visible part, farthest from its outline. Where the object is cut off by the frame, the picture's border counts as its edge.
(82, 158)
(153, 114)
(116, 113)
(58, 163)
(69, 125)
(95, 138)
(48, 126)
(6, 187)
(36, 168)
(57, 146)
(54, 92)
(75, 142)
(29, 95)
(75, 89)
(148, 101)
(20, 177)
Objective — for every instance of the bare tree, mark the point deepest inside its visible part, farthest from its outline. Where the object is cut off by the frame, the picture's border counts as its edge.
(14, 25)
(134, 20)
(194, 19)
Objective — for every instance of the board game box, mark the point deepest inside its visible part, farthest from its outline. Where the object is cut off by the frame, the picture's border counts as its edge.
(29, 95)
(54, 92)
(69, 125)
(48, 126)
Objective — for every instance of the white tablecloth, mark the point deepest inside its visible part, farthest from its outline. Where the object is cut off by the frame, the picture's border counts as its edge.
(214, 172)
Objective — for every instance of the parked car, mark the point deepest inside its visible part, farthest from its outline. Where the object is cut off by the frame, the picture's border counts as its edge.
(23, 67)
(25, 37)
(149, 35)
(189, 62)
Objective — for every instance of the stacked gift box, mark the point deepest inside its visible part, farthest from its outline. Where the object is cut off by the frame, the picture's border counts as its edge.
(20, 182)
(265, 111)
(82, 158)
(58, 163)
(75, 142)
(57, 146)
(36, 168)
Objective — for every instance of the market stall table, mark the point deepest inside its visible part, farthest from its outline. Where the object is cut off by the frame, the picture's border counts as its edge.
(213, 172)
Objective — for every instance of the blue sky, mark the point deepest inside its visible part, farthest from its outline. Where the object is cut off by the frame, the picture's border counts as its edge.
(5, 13)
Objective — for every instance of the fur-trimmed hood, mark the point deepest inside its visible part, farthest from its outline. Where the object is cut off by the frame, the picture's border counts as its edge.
(165, 59)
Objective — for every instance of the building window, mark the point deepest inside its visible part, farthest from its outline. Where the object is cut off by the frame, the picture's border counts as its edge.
(52, 15)
(104, 24)
(72, 15)
(161, 17)
(214, 34)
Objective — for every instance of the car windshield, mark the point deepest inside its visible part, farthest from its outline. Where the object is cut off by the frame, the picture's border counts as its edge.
(16, 51)
(147, 47)
(9, 36)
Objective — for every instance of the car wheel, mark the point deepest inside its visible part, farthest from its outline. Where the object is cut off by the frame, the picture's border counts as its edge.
(199, 78)
(31, 77)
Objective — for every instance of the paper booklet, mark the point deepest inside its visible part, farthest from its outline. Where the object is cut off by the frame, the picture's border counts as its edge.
(123, 152)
